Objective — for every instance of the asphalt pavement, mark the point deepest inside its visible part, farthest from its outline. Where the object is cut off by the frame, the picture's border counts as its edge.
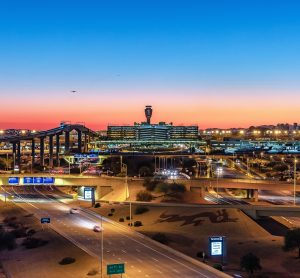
(142, 257)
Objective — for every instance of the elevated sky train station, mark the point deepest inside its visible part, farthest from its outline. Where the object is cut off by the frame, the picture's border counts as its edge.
(57, 135)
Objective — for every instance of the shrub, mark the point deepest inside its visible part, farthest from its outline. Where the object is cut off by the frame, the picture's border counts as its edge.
(140, 210)
(160, 237)
(121, 219)
(13, 225)
(292, 240)
(19, 232)
(145, 171)
(67, 260)
(127, 217)
(11, 222)
(32, 242)
(30, 232)
(218, 267)
(97, 205)
(92, 272)
(250, 263)
(144, 196)
(9, 219)
(7, 241)
(162, 187)
(177, 188)
(110, 214)
(138, 224)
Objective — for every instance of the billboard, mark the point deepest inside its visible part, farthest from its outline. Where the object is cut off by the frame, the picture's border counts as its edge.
(217, 245)
(13, 180)
(88, 193)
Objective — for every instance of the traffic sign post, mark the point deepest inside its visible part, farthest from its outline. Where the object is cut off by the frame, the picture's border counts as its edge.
(115, 269)
(45, 220)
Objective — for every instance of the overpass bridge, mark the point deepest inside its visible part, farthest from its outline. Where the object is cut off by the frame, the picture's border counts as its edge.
(194, 185)
(63, 129)
(254, 211)
(105, 185)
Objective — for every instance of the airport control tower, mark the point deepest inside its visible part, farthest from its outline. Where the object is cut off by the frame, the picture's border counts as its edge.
(148, 113)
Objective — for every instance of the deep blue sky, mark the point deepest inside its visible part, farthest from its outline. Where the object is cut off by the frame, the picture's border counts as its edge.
(151, 51)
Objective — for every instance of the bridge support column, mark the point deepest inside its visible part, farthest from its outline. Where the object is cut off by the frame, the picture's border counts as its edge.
(19, 153)
(79, 139)
(67, 141)
(202, 192)
(85, 148)
(255, 195)
(14, 154)
(42, 151)
(51, 151)
(252, 213)
(57, 150)
(248, 193)
(32, 152)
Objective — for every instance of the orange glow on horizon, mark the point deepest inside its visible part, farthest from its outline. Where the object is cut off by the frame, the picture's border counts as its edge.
(238, 108)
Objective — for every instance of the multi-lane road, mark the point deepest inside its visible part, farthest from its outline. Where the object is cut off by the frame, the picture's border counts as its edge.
(142, 257)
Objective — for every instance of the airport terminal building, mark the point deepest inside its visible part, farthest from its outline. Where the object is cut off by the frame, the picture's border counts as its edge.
(146, 131)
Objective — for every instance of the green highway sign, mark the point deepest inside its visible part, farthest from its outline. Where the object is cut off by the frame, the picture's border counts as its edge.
(115, 269)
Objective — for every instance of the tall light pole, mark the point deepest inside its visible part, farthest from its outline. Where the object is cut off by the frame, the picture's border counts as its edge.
(248, 167)
(7, 166)
(295, 179)
(69, 166)
(101, 261)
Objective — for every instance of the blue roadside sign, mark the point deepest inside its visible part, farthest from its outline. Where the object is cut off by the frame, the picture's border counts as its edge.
(45, 220)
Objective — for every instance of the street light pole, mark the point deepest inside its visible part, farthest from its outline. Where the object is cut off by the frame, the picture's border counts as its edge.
(69, 166)
(295, 179)
(7, 166)
(101, 262)
(218, 186)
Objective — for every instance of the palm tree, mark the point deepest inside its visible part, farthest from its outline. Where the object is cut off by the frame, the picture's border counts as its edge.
(292, 240)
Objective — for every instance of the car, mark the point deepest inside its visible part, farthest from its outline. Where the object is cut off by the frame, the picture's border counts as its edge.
(97, 229)
(74, 210)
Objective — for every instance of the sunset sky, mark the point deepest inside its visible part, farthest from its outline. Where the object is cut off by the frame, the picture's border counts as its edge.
(226, 63)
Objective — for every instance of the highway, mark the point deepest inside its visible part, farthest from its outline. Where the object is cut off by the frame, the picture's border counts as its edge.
(142, 257)
(281, 198)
